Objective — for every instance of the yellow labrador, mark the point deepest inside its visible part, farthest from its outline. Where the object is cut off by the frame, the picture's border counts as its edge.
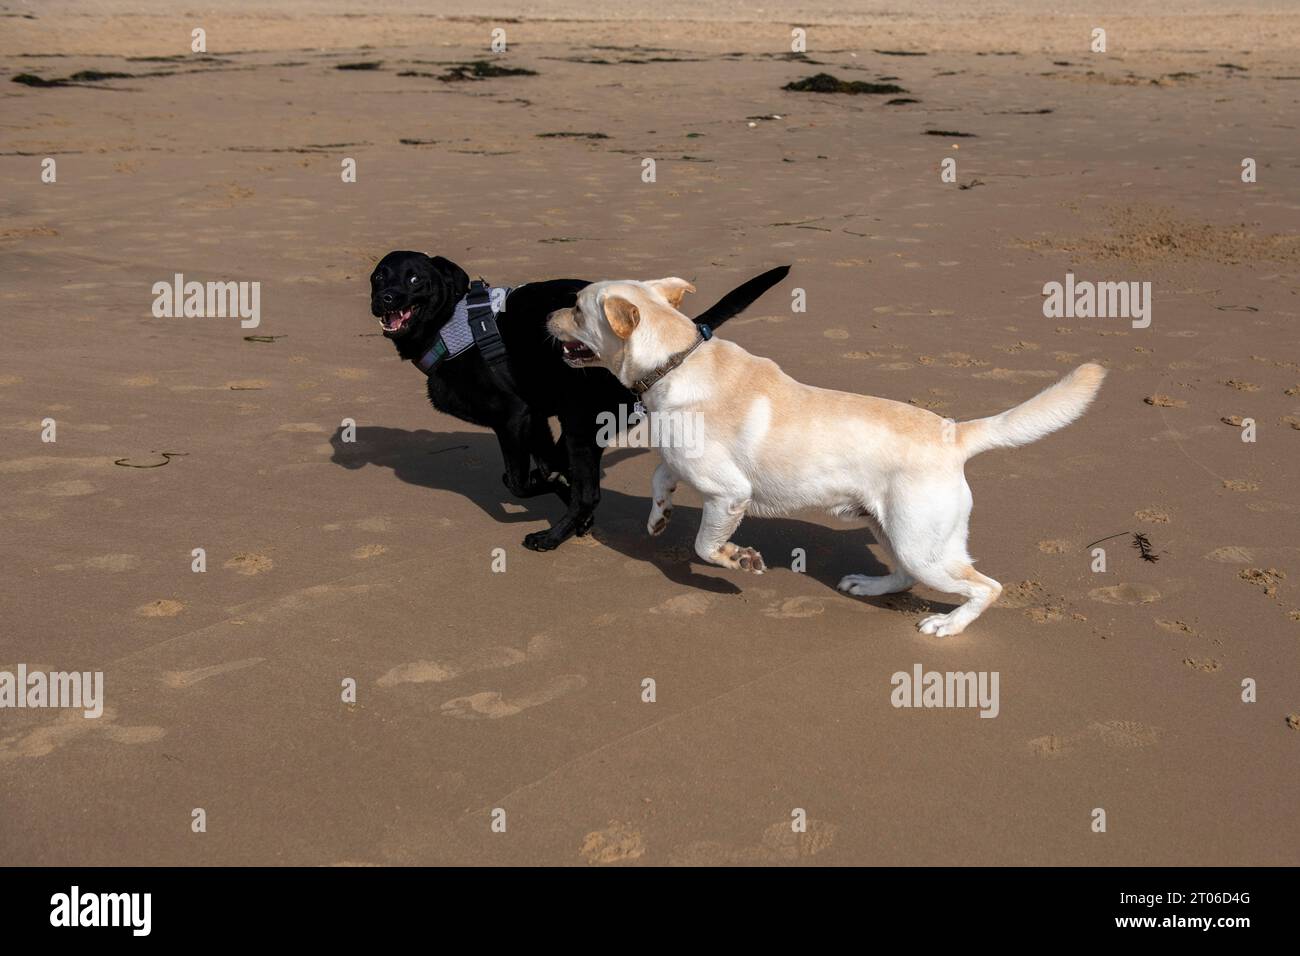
(768, 445)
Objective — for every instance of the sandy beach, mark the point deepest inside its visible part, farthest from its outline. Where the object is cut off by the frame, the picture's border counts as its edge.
(1164, 689)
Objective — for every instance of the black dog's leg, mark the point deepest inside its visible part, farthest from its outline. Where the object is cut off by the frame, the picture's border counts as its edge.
(584, 489)
(550, 456)
(520, 442)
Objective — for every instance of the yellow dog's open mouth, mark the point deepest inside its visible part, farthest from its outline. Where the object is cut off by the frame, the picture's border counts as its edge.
(577, 354)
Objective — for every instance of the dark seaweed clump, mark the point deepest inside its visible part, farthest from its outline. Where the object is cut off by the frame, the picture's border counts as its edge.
(482, 70)
(84, 76)
(825, 83)
(30, 79)
(367, 65)
(94, 76)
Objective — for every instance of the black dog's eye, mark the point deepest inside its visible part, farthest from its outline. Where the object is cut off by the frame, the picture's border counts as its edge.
(414, 279)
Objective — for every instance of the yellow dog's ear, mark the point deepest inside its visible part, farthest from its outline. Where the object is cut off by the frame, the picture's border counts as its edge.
(672, 289)
(621, 315)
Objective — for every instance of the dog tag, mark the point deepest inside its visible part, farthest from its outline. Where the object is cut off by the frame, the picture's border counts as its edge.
(638, 413)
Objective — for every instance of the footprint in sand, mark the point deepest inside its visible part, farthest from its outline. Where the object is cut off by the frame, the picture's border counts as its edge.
(779, 844)
(113, 562)
(181, 679)
(1125, 594)
(540, 647)
(74, 488)
(1265, 578)
(247, 563)
(795, 607)
(1176, 627)
(616, 843)
(1022, 594)
(1232, 554)
(1047, 614)
(1272, 507)
(1127, 734)
(369, 551)
(1016, 375)
(1207, 665)
(1050, 745)
(72, 726)
(684, 604)
(491, 705)
(1054, 546)
(784, 844)
(1120, 734)
(160, 608)
(1240, 484)
(1152, 516)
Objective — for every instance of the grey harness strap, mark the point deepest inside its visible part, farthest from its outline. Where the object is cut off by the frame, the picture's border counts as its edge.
(472, 322)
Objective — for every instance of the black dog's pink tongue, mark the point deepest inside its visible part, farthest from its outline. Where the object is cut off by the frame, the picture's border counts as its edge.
(393, 321)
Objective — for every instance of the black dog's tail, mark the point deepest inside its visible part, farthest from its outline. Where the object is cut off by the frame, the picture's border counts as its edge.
(741, 298)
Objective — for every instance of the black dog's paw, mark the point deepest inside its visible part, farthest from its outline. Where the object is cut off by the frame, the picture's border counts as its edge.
(542, 541)
(584, 525)
(530, 487)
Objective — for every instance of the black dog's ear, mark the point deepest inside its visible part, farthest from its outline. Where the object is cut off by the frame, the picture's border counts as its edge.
(451, 273)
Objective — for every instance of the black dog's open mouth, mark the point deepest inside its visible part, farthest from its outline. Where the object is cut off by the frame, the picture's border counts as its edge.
(575, 353)
(396, 321)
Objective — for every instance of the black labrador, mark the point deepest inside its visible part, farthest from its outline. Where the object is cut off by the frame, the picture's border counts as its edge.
(414, 296)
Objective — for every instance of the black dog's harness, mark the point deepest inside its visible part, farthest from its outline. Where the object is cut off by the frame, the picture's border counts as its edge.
(474, 322)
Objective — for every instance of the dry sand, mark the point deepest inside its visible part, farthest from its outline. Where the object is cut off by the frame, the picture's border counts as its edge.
(522, 690)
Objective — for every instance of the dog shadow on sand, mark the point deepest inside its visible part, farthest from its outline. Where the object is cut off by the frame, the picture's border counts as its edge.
(442, 461)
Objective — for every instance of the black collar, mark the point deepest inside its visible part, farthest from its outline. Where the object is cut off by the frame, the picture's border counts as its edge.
(643, 385)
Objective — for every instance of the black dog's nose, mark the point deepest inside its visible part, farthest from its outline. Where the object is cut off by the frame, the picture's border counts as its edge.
(387, 298)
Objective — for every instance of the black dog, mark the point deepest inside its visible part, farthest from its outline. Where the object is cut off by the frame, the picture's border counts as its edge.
(415, 296)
